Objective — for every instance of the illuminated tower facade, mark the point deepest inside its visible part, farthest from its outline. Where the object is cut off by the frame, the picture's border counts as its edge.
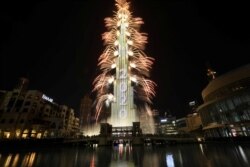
(125, 68)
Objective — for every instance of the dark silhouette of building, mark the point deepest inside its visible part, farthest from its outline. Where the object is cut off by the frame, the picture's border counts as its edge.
(85, 112)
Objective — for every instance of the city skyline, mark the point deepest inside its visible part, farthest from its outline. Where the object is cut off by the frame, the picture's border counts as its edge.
(57, 46)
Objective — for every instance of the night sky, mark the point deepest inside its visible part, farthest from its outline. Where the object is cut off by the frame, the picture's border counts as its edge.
(57, 44)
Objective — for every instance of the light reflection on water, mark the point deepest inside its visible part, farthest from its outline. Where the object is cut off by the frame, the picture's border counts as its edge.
(187, 155)
(169, 160)
(15, 161)
(242, 154)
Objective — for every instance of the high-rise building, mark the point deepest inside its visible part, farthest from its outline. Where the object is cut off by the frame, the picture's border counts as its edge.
(85, 112)
(125, 68)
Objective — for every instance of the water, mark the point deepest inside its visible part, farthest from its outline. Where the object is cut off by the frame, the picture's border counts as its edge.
(188, 155)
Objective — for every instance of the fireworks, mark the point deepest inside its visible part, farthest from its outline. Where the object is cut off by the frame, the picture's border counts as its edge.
(123, 62)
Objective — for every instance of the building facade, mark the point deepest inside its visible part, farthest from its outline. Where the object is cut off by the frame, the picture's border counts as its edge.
(193, 122)
(149, 121)
(167, 126)
(226, 108)
(31, 114)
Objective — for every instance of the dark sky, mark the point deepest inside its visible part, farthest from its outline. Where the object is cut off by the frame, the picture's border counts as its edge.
(57, 44)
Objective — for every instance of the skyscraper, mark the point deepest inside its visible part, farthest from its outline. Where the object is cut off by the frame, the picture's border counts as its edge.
(125, 68)
(85, 111)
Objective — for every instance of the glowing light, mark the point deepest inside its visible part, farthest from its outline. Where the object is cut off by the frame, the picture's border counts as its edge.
(116, 53)
(164, 120)
(127, 33)
(111, 80)
(130, 53)
(39, 135)
(118, 23)
(116, 43)
(15, 162)
(117, 33)
(7, 134)
(133, 79)
(211, 73)
(243, 155)
(130, 42)
(125, 16)
(113, 66)
(133, 65)
(47, 98)
(29, 159)
(202, 150)
(8, 160)
(126, 24)
(170, 160)
(110, 97)
(92, 162)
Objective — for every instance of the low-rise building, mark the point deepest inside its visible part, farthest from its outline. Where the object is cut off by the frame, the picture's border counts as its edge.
(181, 125)
(167, 126)
(32, 114)
(226, 108)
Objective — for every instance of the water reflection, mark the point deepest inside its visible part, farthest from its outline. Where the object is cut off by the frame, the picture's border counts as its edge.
(28, 159)
(180, 158)
(169, 160)
(121, 156)
(201, 147)
(242, 154)
(211, 155)
(7, 162)
(150, 159)
(15, 160)
(92, 162)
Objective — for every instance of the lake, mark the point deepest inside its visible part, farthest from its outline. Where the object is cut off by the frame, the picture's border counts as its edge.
(180, 155)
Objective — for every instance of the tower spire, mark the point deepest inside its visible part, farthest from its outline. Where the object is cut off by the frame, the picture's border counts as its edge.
(211, 73)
